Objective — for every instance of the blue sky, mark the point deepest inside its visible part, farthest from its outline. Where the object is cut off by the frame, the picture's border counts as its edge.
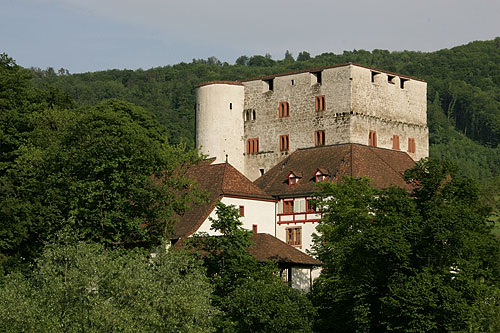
(91, 35)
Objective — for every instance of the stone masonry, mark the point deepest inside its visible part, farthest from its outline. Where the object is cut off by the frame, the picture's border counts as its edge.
(356, 100)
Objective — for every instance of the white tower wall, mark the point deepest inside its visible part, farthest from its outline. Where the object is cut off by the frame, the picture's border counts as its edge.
(219, 122)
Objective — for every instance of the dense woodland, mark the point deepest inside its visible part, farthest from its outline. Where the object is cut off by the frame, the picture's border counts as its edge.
(463, 93)
(90, 186)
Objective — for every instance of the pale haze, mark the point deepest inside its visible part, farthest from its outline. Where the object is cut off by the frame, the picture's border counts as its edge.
(91, 35)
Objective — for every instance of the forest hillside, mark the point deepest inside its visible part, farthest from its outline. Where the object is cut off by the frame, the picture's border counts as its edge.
(463, 93)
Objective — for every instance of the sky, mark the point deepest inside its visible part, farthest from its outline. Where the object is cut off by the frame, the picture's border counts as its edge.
(92, 35)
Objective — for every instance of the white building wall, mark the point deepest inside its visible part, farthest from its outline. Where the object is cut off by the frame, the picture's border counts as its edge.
(219, 122)
(257, 212)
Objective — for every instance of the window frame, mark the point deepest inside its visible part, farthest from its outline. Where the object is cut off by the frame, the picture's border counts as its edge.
(319, 103)
(284, 109)
(288, 206)
(293, 236)
(372, 138)
(411, 145)
(319, 138)
(284, 142)
(252, 146)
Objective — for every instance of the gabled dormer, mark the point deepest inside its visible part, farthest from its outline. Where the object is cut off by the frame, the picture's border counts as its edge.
(320, 175)
(294, 177)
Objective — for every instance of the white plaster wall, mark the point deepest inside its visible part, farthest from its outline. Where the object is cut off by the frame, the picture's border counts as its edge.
(308, 228)
(219, 128)
(256, 212)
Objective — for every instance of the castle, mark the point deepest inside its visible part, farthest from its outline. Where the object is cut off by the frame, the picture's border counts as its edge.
(256, 123)
(272, 139)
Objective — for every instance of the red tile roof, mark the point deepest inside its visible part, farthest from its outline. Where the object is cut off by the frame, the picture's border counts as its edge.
(266, 247)
(384, 166)
(269, 248)
(217, 180)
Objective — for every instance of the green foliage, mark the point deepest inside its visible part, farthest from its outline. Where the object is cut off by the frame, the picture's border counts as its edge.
(419, 261)
(77, 286)
(90, 168)
(463, 93)
(250, 294)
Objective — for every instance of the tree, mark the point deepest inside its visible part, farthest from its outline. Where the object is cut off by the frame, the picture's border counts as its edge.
(80, 286)
(418, 261)
(251, 297)
(242, 60)
(288, 57)
(93, 169)
(303, 56)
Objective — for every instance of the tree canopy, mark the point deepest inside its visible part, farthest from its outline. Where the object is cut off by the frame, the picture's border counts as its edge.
(419, 261)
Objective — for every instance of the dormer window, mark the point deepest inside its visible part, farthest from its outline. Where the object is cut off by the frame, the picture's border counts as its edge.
(320, 175)
(293, 178)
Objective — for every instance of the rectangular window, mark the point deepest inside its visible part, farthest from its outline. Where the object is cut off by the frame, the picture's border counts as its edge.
(253, 146)
(269, 85)
(310, 205)
(284, 110)
(242, 211)
(395, 142)
(284, 142)
(411, 145)
(316, 77)
(294, 236)
(372, 139)
(320, 103)
(230, 106)
(319, 138)
(287, 206)
(254, 228)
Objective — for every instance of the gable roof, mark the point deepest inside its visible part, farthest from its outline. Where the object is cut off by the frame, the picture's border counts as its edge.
(217, 180)
(266, 247)
(385, 167)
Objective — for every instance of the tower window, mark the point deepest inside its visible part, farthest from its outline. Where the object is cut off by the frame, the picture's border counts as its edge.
(284, 110)
(253, 146)
(395, 142)
(319, 138)
(284, 142)
(372, 139)
(247, 115)
(320, 103)
(253, 115)
(230, 106)
(411, 145)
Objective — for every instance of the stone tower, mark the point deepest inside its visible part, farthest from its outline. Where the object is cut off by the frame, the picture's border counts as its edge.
(346, 103)
(219, 123)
